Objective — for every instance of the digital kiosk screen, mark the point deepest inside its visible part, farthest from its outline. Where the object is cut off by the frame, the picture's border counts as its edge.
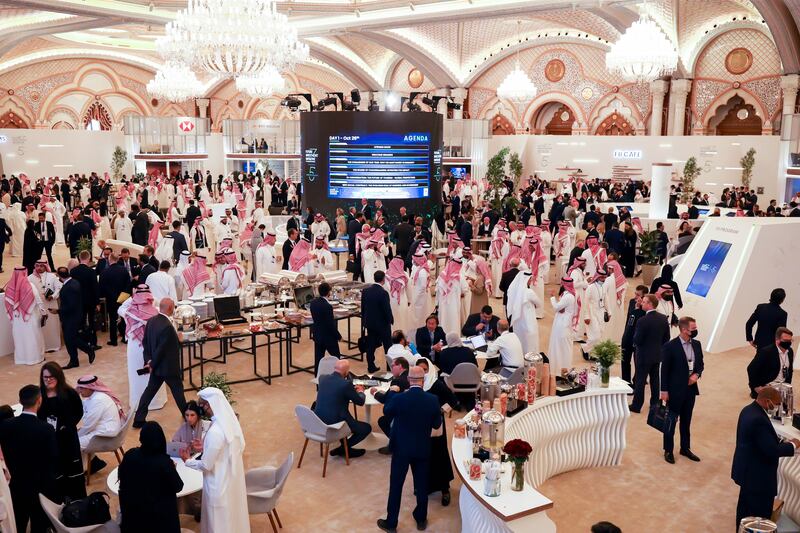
(709, 266)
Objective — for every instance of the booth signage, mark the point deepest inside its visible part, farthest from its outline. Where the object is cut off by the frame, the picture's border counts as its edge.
(185, 125)
(627, 154)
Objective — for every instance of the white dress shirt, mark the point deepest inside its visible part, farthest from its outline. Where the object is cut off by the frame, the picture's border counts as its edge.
(162, 285)
(509, 347)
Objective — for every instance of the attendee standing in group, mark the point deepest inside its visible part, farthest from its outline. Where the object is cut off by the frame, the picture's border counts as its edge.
(48, 287)
(681, 368)
(62, 409)
(523, 303)
(161, 351)
(31, 454)
(635, 312)
(652, 331)
(450, 289)
(26, 312)
(323, 326)
(755, 460)
(769, 317)
(567, 309)
(378, 319)
(86, 277)
(415, 414)
(224, 491)
(114, 281)
(772, 363)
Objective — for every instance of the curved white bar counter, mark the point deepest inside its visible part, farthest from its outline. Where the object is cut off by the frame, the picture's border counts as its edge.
(582, 430)
(789, 475)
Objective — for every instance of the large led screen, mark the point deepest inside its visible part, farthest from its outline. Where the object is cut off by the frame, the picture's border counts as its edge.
(709, 266)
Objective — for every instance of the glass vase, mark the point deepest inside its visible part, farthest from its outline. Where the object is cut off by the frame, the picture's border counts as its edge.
(518, 476)
(605, 376)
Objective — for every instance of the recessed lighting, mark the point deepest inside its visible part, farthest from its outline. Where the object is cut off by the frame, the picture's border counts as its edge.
(62, 166)
(585, 161)
(665, 145)
(51, 146)
(11, 156)
(32, 161)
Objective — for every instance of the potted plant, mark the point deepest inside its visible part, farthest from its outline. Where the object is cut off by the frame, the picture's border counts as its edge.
(748, 162)
(648, 253)
(517, 451)
(690, 173)
(606, 353)
(515, 168)
(495, 174)
(118, 159)
(219, 381)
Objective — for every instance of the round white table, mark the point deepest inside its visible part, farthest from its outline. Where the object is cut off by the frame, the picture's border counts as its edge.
(192, 479)
(374, 440)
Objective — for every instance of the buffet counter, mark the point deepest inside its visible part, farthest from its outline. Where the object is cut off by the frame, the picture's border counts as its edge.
(583, 430)
(789, 474)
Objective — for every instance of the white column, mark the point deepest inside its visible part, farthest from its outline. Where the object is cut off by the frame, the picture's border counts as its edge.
(202, 104)
(660, 175)
(658, 89)
(459, 95)
(789, 86)
(680, 90)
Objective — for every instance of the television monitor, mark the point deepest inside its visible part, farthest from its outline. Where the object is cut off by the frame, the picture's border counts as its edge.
(701, 212)
(458, 172)
(709, 266)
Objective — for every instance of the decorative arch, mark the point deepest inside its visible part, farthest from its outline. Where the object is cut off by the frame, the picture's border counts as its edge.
(615, 103)
(502, 126)
(170, 109)
(553, 118)
(615, 124)
(97, 111)
(563, 98)
(60, 113)
(15, 105)
(703, 43)
(62, 125)
(735, 117)
(723, 99)
(9, 119)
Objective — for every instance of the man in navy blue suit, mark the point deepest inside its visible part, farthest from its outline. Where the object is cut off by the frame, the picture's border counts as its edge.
(179, 241)
(755, 461)
(415, 414)
(681, 367)
(71, 314)
(333, 406)
(323, 328)
(377, 319)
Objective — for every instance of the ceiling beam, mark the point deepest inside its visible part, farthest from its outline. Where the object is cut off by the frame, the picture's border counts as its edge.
(9, 40)
(421, 59)
(126, 11)
(351, 72)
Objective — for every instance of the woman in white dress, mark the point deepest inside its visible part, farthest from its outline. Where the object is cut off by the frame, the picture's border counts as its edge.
(25, 310)
(567, 309)
(420, 290)
(497, 254)
(136, 311)
(523, 304)
(450, 288)
(399, 289)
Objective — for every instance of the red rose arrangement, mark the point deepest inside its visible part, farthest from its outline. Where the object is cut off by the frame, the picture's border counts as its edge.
(517, 450)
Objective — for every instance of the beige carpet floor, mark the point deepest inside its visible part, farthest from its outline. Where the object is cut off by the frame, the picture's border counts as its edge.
(643, 494)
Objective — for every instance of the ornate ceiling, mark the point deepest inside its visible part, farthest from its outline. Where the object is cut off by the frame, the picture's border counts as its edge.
(452, 42)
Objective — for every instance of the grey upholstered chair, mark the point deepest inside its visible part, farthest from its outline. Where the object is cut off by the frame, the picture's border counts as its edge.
(53, 512)
(264, 487)
(326, 366)
(318, 431)
(107, 444)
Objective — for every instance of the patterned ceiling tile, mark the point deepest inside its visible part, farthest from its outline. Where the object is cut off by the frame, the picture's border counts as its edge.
(373, 54)
(706, 91)
(583, 21)
(36, 93)
(768, 91)
(766, 61)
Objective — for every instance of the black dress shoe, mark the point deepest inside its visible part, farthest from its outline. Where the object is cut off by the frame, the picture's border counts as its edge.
(422, 526)
(70, 365)
(355, 452)
(337, 451)
(97, 347)
(632, 410)
(96, 465)
(372, 369)
(137, 424)
(690, 455)
(111, 343)
(385, 450)
(445, 498)
(382, 524)
(668, 457)
(91, 356)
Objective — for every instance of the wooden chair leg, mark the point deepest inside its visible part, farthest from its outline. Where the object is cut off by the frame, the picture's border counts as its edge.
(325, 463)
(302, 454)
(320, 449)
(271, 521)
(118, 456)
(346, 452)
(355, 412)
(275, 512)
(88, 468)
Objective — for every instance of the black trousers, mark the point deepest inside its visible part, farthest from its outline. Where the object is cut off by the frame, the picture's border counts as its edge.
(385, 423)
(48, 249)
(175, 384)
(683, 414)
(397, 478)
(359, 431)
(645, 370)
(73, 341)
(115, 324)
(28, 509)
(627, 356)
(2, 248)
(320, 347)
(376, 338)
(754, 503)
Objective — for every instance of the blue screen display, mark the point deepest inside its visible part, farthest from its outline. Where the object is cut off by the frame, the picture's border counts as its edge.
(379, 165)
(709, 266)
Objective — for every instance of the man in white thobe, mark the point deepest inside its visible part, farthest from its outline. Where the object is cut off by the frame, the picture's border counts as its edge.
(165, 249)
(450, 288)
(321, 257)
(48, 286)
(25, 310)
(123, 227)
(596, 305)
(224, 490)
(266, 260)
(320, 227)
(523, 304)
(103, 414)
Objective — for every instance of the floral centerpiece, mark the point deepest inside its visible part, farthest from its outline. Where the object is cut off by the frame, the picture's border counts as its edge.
(607, 353)
(517, 451)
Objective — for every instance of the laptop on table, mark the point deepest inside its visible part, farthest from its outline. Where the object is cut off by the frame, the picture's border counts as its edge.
(228, 310)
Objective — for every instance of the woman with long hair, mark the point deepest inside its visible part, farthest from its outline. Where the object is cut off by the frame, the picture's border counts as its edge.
(62, 408)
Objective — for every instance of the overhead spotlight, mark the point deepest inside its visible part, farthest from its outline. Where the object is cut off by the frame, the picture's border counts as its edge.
(355, 96)
(323, 103)
(392, 100)
(349, 106)
(453, 105)
(291, 102)
(373, 106)
(428, 101)
(413, 106)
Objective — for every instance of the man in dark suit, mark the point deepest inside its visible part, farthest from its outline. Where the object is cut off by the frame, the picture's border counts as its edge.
(430, 339)
(415, 414)
(31, 454)
(398, 384)
(5, 237)
(755, 460)
(354, 227)
(192, 213)
(150, 257)
(80, 229)
(507, 278)
(288, 246)
(455, 354)
(615, 239)
(652, 331)
(378, 320)
(130, 264)
(90, 295)
(681, 367)
(294, 222)
(769, 317)
(483, 323)
(70, 311)
(113, 281)
(179, 241)
(773, 362)
(66, 197)
(161, 351)
(465, 232)
(323, 328)
(538, 207)
(46, 233)
(145, 269)
(610, 219)
(402, 235)
(635, 312)
(334, 394)
(102, 263)
(141, 225)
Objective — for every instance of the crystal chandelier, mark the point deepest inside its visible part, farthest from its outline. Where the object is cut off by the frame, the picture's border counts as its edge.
(231, 38)
(643, 53)
(263, 84)
(517, 86)
(174, 82)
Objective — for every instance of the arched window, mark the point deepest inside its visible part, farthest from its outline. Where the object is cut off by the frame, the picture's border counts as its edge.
(501, 126)
(97, 118)
(735, 117)
(9, 119)
(615, 124)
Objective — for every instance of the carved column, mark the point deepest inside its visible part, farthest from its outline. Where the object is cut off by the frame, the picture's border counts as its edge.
(789, 86)
(458, 95)
(680, 90)
(658, 89)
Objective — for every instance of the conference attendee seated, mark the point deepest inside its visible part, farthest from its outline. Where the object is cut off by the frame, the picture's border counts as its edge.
(193, 429)
(430, 339)
(399, 348)
(334, 394)
(103, 414)
(455, 354)
(483, 323)
(506, 351)
(772, 363)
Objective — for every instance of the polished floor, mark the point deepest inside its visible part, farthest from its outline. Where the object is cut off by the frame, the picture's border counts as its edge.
(643, 494)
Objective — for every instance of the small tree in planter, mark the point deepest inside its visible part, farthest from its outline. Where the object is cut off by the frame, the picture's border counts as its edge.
(691, 171)
(515, 168)
(495, 175)
(118, 159)
(648, 251)
(219, 381)
(748, 162)
(606, 353)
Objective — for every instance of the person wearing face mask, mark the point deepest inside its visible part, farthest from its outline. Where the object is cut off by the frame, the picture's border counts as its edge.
(635, 312)
(772, 363)
(755, 460)
(681, 368)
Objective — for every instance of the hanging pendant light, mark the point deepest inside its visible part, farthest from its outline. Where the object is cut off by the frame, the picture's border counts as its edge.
(643, 53)
(517, 87)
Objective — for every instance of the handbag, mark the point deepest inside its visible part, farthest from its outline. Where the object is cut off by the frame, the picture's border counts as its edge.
(89, 511)
(658, 417)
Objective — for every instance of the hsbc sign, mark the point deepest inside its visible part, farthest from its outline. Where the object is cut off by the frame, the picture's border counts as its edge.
(185, 125)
